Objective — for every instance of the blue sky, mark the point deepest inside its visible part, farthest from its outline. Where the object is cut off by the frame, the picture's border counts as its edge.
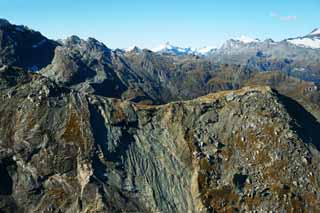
(147, 23)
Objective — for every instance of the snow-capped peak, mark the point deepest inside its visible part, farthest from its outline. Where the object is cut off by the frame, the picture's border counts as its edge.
(171, 49)
(315, 32)
(246, 39)
(164, 46)
(312, 40)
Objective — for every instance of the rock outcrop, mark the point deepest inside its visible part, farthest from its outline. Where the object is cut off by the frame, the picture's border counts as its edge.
(63, 150)
(89, 66)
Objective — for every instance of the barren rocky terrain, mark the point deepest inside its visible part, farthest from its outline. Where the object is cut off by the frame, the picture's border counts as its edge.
(100, 130)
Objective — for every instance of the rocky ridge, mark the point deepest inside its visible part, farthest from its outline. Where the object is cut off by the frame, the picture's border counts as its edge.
(63, 150)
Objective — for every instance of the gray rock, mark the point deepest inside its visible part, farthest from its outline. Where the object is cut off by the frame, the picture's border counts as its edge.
(75, 152)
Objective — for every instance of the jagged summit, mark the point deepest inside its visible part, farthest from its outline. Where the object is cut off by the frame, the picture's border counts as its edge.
(75, 40)
(134, 49)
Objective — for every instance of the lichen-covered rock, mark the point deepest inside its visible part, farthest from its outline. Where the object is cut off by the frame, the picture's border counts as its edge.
(66, 151)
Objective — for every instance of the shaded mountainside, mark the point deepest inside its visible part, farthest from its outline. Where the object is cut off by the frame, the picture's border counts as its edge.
(67, 151)
(23, 47)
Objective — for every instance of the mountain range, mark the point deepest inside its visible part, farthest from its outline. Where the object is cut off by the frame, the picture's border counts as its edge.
(84, 128)
(311, 40)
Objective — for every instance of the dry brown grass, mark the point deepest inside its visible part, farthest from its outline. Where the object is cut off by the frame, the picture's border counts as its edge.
(73, 133)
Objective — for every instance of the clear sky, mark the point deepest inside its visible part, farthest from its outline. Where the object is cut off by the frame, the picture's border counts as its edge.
(147, 23)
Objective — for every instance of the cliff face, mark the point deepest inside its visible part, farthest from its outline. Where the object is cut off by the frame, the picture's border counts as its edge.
(62, 150)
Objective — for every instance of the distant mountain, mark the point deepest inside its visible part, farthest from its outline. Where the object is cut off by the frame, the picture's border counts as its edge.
(169, 49)
(243, 44)
(312, 40)
(133, 49)
(290, 55)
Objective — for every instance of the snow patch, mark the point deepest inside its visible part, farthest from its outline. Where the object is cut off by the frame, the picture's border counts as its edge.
(161, 47)
(205, 50)
(168, 48)
(171, 49)
(246, 39)
(306, 42)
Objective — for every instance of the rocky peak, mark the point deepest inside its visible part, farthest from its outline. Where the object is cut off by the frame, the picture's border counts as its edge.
(134, 49)
(94, 41)
(72, 40)
(87, 47)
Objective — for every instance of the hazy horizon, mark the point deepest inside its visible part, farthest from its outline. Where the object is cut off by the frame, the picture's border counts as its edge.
(147, 24)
